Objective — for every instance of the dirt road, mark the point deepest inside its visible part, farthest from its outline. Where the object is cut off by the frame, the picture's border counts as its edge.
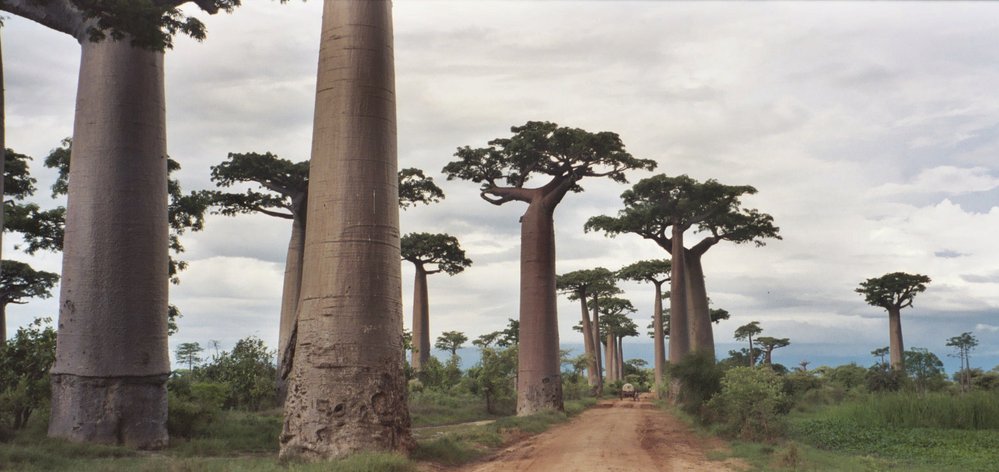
(612, 436)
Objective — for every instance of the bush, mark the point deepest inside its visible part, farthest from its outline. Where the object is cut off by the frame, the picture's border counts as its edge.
(699, 378)
(249, 373)
(193, 406)
(849, 376)
(882, 378)
(751, 404)
(25, 361)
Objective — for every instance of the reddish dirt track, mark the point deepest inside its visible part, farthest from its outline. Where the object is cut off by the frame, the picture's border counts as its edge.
(613, 436)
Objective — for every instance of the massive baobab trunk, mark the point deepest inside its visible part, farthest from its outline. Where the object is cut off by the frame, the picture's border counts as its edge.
(592, 371)
(895, 338)
(421, 320)
(290, 293)
(659, 363)
(112, 362)
(597, 343)
(620, 357)
(699, 316)
(679, 344)
(539, 378)
(348, 389)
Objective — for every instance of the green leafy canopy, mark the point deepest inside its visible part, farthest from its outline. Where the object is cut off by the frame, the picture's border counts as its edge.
(893, 291)
(441, 250)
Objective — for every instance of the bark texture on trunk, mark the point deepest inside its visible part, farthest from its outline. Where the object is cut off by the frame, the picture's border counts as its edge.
(597, 343)
(112, 362)
(895, 338)
(592, 372)
(3, 325)
(539, 378)
(421, 320)
(679, 342)
(659, 367)
(702, 338)
(348, 389)
(289, 305)
(619, 365)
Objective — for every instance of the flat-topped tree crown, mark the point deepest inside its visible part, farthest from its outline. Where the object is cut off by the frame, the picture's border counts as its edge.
(543, 149)
(415, 187)
(440, 250)
(587, 281)
(653, 270)
(896, 290)
(655, 204)
(149, 24)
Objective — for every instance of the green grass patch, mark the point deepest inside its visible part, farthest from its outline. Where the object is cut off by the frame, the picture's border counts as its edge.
(233, 433)
(432, 408)
(972, 411)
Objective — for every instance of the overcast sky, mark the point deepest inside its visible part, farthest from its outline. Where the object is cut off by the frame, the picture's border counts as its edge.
(871, 131)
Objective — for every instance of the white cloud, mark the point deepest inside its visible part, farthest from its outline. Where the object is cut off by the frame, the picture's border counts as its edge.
(854, 121)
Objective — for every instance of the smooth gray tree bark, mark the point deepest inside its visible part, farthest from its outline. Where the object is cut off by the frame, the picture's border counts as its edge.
(348, 389)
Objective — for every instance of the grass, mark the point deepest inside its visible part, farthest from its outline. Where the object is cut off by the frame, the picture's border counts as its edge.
(431, 408)
(242, 441)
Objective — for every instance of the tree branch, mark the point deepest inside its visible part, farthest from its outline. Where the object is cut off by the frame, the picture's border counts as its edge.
(287, 216)
(59, 15)
(507, 194)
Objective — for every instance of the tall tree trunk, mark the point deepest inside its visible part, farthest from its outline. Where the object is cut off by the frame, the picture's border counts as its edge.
(3, 324)
(3, 172)
(768, 357)
(620, 358)
(659, 364)
(895, 338)
(702, 338)
(348, 388)
(679, 341)
(539, 380)
(289, 304)
(421, 320)
(112, 361)
(592, 372)
(752, 355)
(610, 351)
(597, 343)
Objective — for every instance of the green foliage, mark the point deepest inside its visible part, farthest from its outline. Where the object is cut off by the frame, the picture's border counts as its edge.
(964, 344)
(440, 250)
(438, 376)
(654, 204)
(894, 290)
(654, 271)
(193, 406)
(925, 369)
(248, 371)
(17, 181)
(543, 148)
(495, 375)
(699, 378)
(586, 282)
(19, 281)
(25, 361)
(190, 354)
(883, 378)
(751, 404)
(415, 187)
(848, 376)
(973, 411)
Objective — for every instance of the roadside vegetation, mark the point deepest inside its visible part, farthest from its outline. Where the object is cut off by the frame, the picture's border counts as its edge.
(225, 413)
(847, 417)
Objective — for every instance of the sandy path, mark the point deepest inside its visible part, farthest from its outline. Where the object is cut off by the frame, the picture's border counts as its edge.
(613, 436)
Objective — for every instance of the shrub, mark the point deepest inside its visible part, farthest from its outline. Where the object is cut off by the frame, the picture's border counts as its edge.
(882, 378)
(248, 371)
(699, 378)
(25, 361)
(193, 406)
(750, 404)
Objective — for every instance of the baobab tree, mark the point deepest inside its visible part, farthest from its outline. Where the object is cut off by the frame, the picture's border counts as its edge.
(580, 285)
(430, 254)
(769, 344)
(19, 281)
(662, 209)
(747, 331)
(656, 272)
(565, 156)
(282, 188)
(451, 341)
(112, 361)
(964, 344)
(348, 387)
(893, 292)
(615, 325)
